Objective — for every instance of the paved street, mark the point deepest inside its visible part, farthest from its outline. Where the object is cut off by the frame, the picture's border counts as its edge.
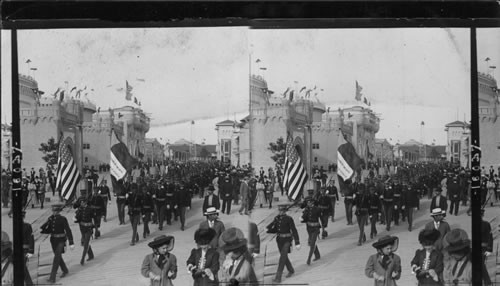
(342, 261)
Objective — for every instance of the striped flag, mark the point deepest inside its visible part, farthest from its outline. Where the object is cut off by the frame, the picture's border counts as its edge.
(120, 160)
(68, 175)
(295, 175)
(347, 159)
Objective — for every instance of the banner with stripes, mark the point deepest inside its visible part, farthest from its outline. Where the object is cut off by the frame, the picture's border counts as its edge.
(120, 160)
(294, 174)
(67, 175)
(348, 160)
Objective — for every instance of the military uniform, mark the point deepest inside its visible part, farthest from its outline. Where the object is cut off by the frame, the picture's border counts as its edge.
(121, 199)
(183, 200)
(226, 195)
(84, 217)
(312, 216)
(362, 206)
(397, 193)
(58, 227)
(388, 201)
(97, 205)
(333, 195)
(147, 210)
(160, 197)
(374, 208)
(348, 202)
(134, 203)
(169, 202)
(286, 233)
(106, 196)
(325, 205)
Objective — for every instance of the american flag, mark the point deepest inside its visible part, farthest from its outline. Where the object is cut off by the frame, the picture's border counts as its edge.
(128, 91)
(68, 175)
(295, 175)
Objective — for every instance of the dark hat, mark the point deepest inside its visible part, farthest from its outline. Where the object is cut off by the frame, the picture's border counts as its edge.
(456, 240)
(284, 207)
(162, 240)
(428, 236)
(384, 241)
(57, 207)
(204, 235)
(232, 239)
(211, 210)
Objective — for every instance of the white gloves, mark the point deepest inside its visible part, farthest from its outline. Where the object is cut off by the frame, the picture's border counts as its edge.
(29, 255)
(297, 246)
(189, 268)
(487, 253)
(72, 247)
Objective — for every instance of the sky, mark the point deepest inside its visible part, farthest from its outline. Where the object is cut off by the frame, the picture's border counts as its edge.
(201, 74)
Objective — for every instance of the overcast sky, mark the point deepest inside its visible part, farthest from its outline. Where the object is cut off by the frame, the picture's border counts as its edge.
(201, 74)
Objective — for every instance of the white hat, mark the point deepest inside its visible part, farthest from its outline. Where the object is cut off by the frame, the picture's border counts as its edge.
(211, 210)
(438, 211)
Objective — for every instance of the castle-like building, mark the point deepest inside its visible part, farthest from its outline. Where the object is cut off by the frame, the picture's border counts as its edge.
(314, 130)
(489, 120)
(43, 118)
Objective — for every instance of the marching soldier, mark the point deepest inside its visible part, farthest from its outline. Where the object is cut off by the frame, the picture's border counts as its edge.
(183, 203)
(147, 209)
(361, 201)
(121, 199)
(28, 247)
(58, 228)
(160, 197)
(333, 195)
(325, 205)
(348, 201)
(409, 203)
(106, 196)
(97, 205)
(226, 194)
(312, 216)
(373, 210)
(396, 202)
(134, 203)
(286, 233)
(388, 197)
(169, 201)
(84, 217)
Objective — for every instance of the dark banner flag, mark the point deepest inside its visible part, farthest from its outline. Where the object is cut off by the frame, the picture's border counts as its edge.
(120, 160)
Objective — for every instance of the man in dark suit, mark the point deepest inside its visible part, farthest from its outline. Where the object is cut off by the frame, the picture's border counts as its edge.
(454, 195)
(439, 201)
(226, 193)
(211, 200)
(438, 223)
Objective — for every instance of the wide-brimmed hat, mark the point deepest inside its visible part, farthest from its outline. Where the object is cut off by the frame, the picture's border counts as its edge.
(203, 236)
(211, 210)
(386, 240)
(428, 236)
(57, 207)
(162, 240)
(437, 211)
(455, 240)
(232, 239)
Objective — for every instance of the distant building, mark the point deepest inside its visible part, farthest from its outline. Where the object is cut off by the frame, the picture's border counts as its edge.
(383, 152)
(489, 121)
(415, 151)
(314, 131)
(458, 143)
(43, 118)
(153, 150)
(184, 150)
(6, 146)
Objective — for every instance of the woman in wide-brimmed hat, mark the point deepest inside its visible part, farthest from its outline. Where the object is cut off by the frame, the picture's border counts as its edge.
(160, 266)
(385, 265)
(203, 263)
(427, 263)
(237, 267)
(458, 269)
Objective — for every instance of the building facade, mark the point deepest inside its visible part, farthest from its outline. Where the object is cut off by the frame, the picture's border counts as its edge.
(135, 126)
(489, 121)
(458, 143)
(315, 132)
(6, 146)
(153, 150)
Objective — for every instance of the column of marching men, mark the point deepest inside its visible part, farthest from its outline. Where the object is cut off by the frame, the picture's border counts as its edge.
(373, 200)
